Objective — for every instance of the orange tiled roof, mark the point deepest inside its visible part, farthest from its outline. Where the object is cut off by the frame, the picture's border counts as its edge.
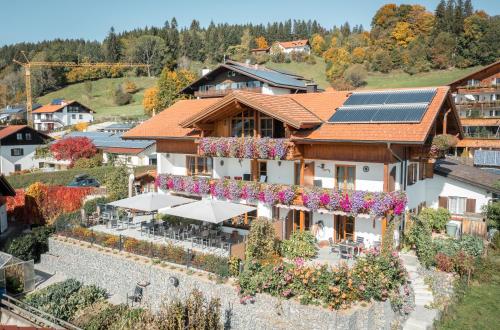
(11, 129)
(49, 108)
(372, 132)
(480, 121)
(298, 110)
(166, 123)
(479, 143)
(283, 108)
(293, 44)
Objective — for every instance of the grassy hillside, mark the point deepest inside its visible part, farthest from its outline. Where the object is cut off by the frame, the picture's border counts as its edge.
(315, 72)
(374, 79)
(402, 79)
(101, 99)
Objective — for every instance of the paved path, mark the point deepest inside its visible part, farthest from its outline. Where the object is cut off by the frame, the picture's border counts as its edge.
(422, 317)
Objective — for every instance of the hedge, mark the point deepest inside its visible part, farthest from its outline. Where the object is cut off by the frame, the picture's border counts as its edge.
(63, 178)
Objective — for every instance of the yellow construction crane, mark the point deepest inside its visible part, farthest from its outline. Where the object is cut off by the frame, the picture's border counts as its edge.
(27, 75)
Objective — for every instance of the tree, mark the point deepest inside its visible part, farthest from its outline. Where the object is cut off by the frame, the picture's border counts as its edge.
(170, 84)
(318, 44)
(112, 47)
(148, 49)
(261, 241)
(356, 75)
(116, 183)
(381, 61)
(403, 34)
(121, 97)
(442, 49)
(73, 148)
(261, 42)
(358, 55)
(150, 100)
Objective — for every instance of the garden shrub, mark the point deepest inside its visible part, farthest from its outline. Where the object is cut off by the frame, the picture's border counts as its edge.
(14, 278)
(373, 277)
(300, 245)
(492, 213)
(436, 218)
(90, 206)
(63, 299)
(420, 235)
(31, 245)
(444, 262)
(262, 240)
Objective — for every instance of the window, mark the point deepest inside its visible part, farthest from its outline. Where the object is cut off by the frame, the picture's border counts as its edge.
(457, 205)
(19, 136)
(345, 177)
(243, 124)
(473, 82)
(17, 167)
(17, 152)
(80, 116)
(496, 81)
(199, 165)
(262, 171)
(412, 175)
(28, 136)
(73, 116)
(266, 127)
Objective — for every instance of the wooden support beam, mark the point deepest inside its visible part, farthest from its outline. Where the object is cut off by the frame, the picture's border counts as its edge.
(302, 218)
(384, 228)
(302, 169)
(386, 177)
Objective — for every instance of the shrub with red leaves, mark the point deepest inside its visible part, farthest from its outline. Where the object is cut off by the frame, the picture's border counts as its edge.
(73, 148)
(444, 263)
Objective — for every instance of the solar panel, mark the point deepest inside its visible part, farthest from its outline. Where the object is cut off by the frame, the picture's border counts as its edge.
(380, 113)
(391, 97)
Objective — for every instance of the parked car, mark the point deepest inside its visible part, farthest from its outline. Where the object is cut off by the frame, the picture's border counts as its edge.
(83, 180)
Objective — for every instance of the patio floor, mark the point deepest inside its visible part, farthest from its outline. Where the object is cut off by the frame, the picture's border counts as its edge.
(134, 232)
(325, 256)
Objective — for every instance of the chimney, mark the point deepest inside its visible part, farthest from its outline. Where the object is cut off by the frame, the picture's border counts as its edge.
(311, 87)
(205, 71)
(247, 61)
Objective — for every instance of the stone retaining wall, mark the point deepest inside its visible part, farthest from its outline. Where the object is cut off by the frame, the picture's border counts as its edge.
(119, 275)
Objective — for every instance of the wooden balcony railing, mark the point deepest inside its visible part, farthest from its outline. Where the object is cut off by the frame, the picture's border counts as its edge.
(224, 92)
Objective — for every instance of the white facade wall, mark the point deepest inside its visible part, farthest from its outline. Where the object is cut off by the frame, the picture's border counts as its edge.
(448, 187)
(61, 118)
(231, 167)
(8, 162)
(266, 89)
(174, 164)
(304, 49)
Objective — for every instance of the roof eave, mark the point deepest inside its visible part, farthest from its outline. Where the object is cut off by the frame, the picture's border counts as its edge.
(471, 182)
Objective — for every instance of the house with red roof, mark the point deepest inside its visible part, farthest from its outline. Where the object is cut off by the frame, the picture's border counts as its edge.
(18, 144)
(339, 163)
(61, 113)
(298, 46)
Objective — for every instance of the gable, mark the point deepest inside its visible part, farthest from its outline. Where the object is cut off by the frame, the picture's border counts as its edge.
(9, 138)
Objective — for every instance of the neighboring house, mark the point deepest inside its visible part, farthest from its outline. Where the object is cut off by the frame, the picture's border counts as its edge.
(15, 112)
(6, 190)
(477, 99)
(144, 182)
(61, 113)
(259, 51)
(231, 76)
(18, 144)
(117, 128)
(298, 46)
(376, 141)
(121, 152)
(462, 189)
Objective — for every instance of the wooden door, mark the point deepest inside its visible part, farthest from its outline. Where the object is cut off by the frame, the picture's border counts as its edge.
(344, 228)
(301, 220)
(309, 174)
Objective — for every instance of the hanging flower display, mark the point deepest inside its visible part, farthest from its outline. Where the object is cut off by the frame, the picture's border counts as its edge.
(351, 202)
(248, 147)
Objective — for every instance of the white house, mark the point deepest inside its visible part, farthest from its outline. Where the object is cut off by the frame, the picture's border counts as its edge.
(367, 143)
(298, 46)
(18, 144)
(61, 113)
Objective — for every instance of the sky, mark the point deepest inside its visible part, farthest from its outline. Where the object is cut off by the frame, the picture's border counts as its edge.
(36, 20)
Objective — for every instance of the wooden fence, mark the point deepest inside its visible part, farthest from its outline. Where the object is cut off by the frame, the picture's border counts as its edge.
(474, 227)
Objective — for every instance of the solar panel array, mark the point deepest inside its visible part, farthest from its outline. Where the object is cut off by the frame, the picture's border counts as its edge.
(110, 140)
(408, 106)
(273, 76)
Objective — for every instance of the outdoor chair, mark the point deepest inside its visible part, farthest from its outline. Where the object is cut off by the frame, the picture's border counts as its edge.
(360, 241)
(136, 297)
(344, 252)
(333, 246)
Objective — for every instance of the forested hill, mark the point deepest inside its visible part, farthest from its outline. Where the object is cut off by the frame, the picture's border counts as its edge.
(410, 38)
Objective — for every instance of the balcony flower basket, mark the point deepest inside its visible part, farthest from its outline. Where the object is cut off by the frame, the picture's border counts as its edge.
(441, 144)
(349, 202)
(247, 147)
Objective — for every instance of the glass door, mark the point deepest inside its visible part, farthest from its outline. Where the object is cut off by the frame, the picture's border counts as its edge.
(344, 228)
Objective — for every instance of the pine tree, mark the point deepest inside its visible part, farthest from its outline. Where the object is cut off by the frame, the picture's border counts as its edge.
(468, 9)
(458, 19)
(112, 47)
(441, 25)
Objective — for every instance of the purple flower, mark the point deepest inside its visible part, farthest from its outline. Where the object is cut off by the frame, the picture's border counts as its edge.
(262, 148)
(324, 199)
(286, 195)
(234, 190)
(311, 200)
(249, 191)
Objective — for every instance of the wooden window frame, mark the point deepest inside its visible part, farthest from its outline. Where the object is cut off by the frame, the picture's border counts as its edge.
(264, 117)
(259, 174)
(241, 116)
(196, 159)
(337, 186)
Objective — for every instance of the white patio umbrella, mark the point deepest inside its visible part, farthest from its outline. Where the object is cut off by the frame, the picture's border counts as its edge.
(209, 210)
(151, 201)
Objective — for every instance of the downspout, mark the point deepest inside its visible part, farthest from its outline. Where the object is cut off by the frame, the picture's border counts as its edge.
(402, 185)
(445, 120)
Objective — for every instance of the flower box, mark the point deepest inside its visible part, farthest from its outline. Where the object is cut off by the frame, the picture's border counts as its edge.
(248, 147)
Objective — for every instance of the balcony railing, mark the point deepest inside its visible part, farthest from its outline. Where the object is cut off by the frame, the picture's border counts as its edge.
(482, 135)
(344, 202)
(248, 147)
(478, 89)
(224, 92)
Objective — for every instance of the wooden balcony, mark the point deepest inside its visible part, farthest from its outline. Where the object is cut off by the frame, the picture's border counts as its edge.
(478, 89)
(248, 147)
(224, 92)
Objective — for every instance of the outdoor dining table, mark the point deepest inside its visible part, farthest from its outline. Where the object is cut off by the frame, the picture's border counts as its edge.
(150, 227)
(351, 246)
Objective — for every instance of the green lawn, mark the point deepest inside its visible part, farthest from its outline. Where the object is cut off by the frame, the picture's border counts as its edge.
(479, 308)
(315, 72)
(402, 79)
(101, 99)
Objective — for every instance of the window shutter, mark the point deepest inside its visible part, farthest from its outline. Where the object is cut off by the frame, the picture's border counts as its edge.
(443, 202)
(471, 205)
(421, 169)
(429, 170)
